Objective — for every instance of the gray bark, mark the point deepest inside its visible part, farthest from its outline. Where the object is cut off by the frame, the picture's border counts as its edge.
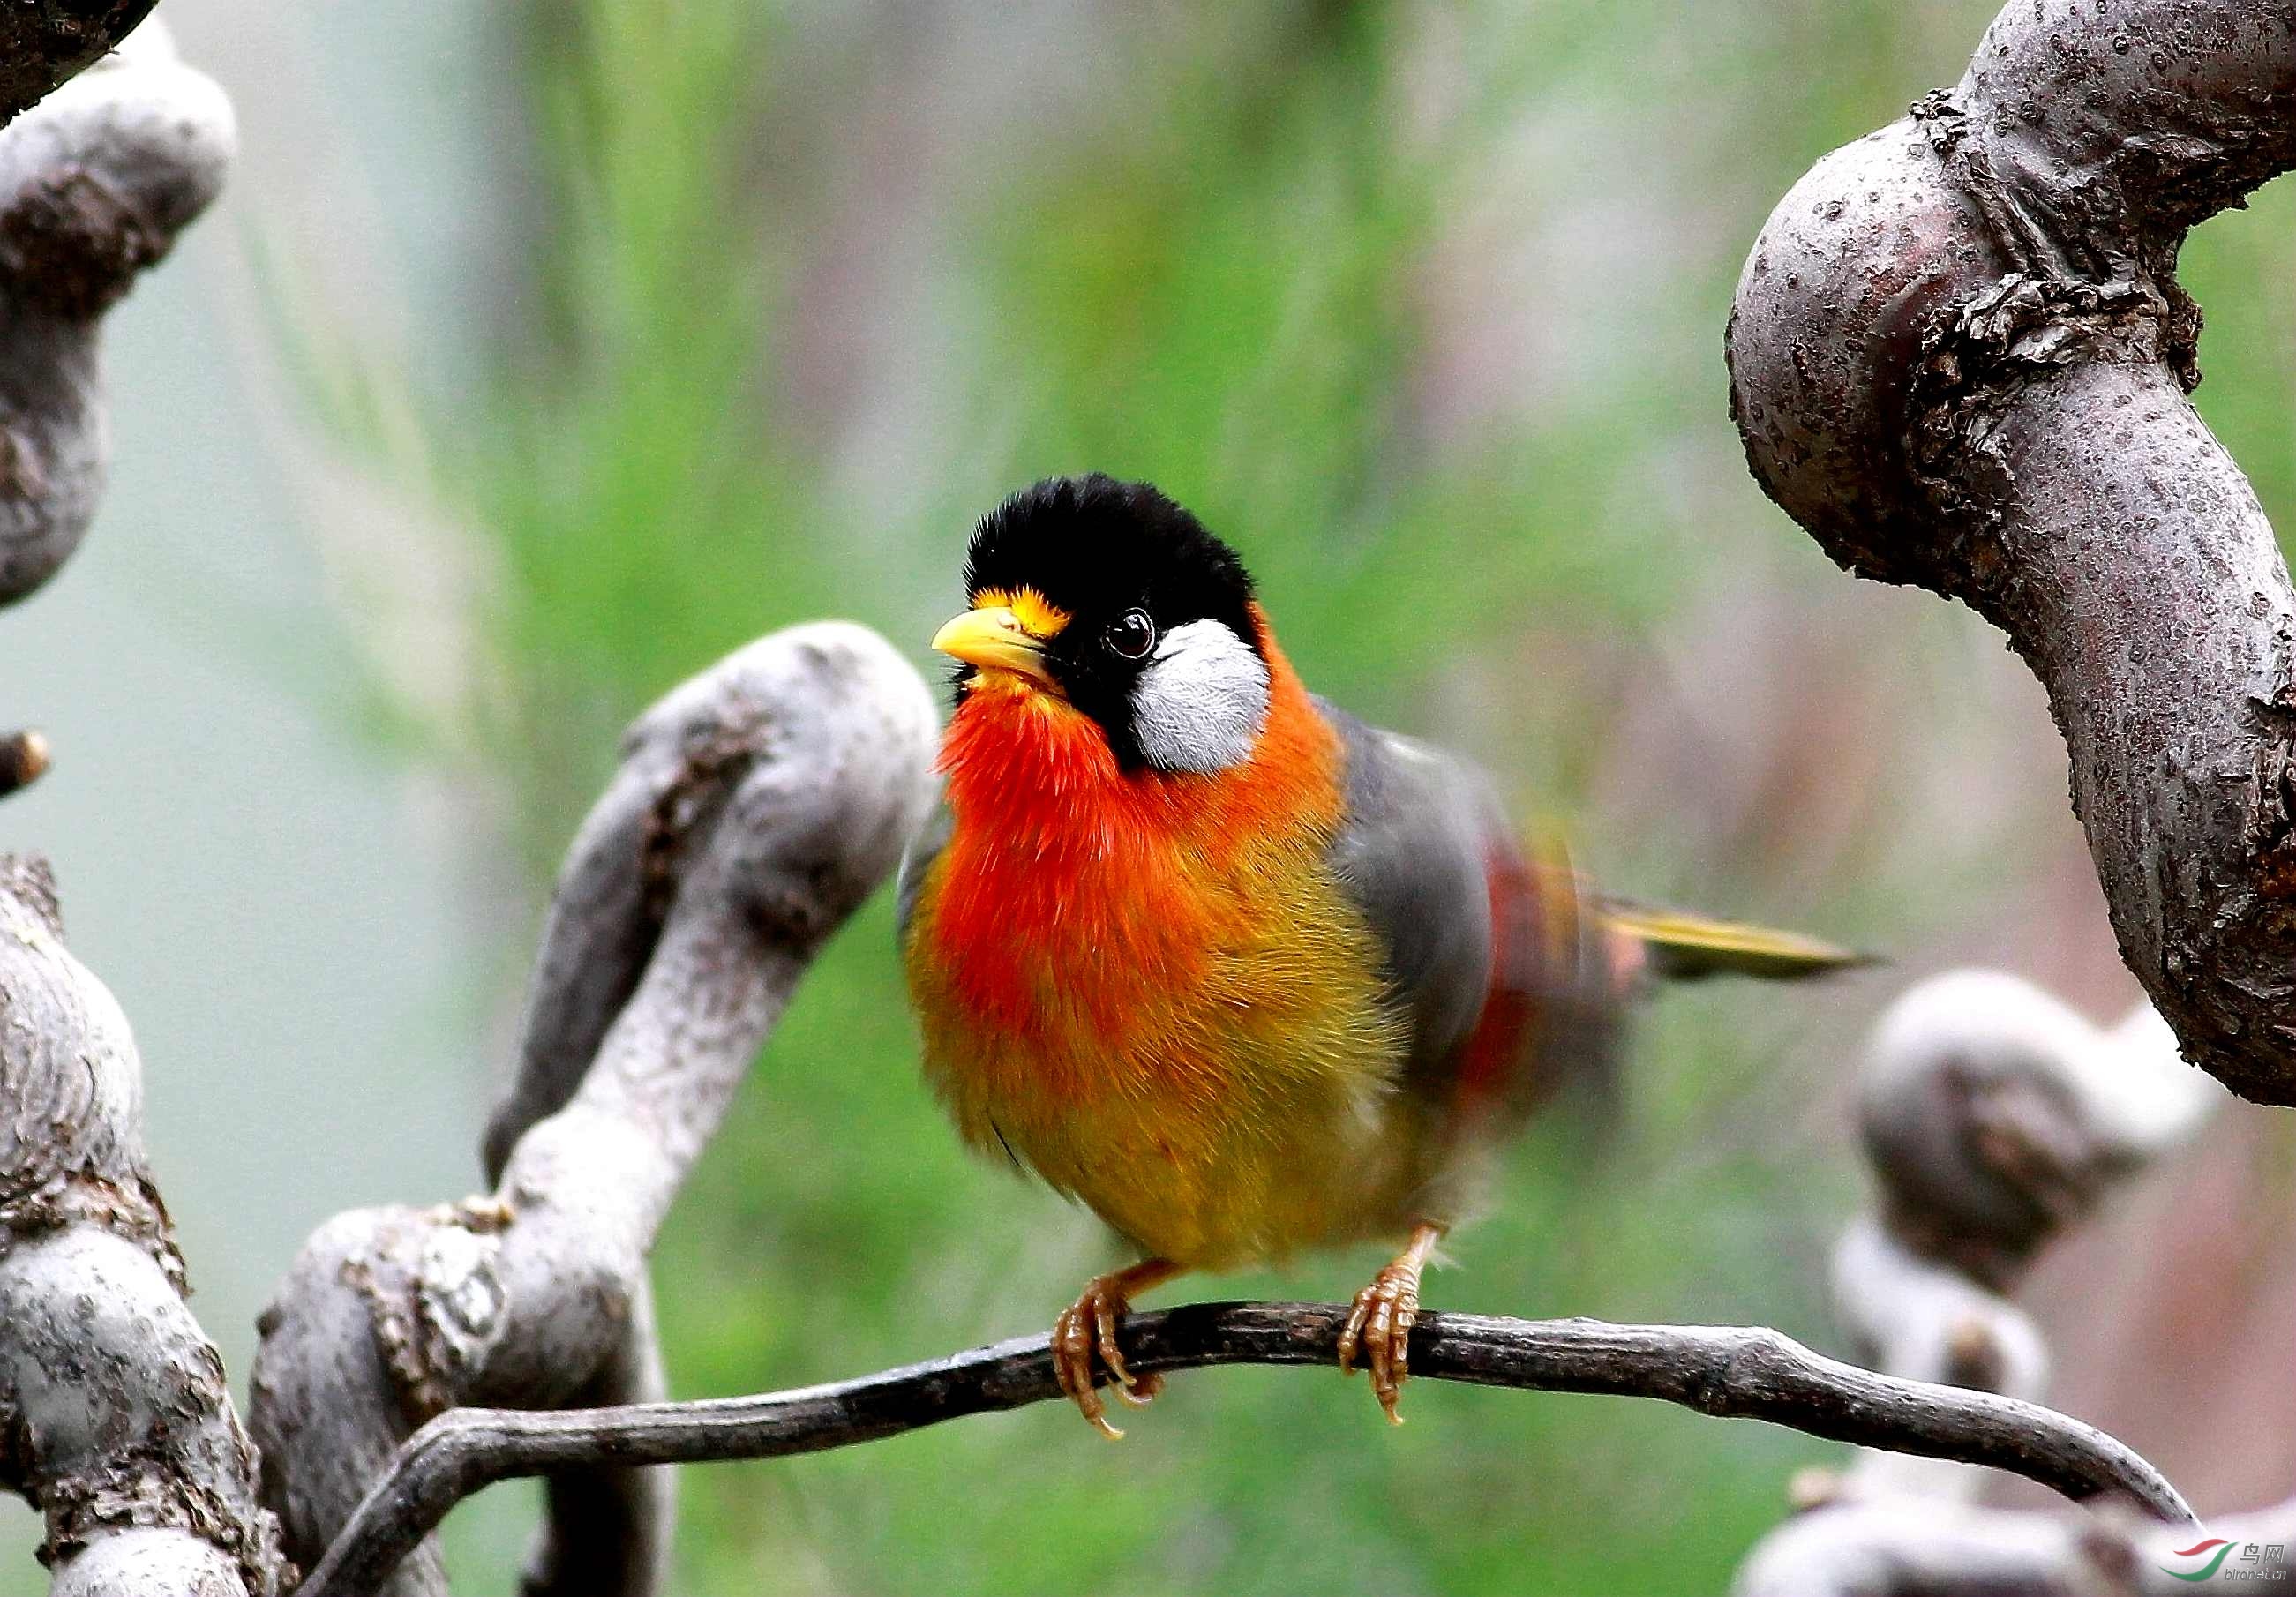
(115, 1421)
(754, 808)
(1959, 357)
(96, 182)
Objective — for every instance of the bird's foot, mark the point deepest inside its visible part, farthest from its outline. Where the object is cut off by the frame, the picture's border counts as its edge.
(1379, 1326)
(1087, 1327)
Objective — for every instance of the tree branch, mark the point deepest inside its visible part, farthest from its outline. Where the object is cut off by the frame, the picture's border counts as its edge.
(42, 46)
(1995, 1118)
(1959, 358)
(756, 806)
(96, 182)
(1756, 1375)
(115, 1421)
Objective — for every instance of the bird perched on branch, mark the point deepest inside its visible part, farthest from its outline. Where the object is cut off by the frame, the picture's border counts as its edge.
(1239, 972)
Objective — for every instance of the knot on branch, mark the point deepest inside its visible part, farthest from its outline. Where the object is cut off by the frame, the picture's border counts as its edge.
(1994, 1117)
(72, 241)
(32, 1204)
(1974, 365)
(436, 1297)
(71, 1149)
(140, 1487)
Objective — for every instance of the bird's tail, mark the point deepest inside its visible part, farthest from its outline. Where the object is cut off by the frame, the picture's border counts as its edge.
(1682, 947)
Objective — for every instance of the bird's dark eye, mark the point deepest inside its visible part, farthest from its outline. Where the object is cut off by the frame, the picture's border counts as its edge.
(1131, 635)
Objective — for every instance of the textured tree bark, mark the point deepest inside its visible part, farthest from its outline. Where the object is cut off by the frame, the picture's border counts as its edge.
(1959, 357)
(42, 46)
(755, 807)
(96, 182)
(115, 1421)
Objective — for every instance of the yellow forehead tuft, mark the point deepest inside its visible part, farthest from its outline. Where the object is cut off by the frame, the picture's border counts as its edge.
(1039, 618)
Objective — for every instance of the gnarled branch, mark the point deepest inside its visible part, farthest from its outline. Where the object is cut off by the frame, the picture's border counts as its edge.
(1755, 1374)
(115, 1421)
(1912, 1545)
(96, 182)
(755, 807)
(1959, 357)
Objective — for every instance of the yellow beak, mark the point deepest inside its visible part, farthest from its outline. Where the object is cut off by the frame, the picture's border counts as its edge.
(993, 637)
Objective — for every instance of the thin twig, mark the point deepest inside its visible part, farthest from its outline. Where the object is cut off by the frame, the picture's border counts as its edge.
(1747, 1373)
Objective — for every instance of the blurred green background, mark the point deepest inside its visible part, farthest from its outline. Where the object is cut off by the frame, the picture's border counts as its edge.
(597, 339)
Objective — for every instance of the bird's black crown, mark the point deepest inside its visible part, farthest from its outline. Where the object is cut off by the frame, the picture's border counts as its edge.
(1096, 547)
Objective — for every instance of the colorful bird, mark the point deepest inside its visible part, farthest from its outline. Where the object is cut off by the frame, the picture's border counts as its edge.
(1237, 970)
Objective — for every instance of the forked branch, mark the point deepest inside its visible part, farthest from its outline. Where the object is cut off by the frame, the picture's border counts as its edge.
(1743, 1373)
(756, 806)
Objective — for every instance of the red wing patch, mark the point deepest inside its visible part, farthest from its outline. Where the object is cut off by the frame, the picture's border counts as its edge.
(1548, 1014)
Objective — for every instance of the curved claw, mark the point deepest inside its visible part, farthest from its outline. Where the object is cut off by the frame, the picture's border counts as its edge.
(1379, 1326)
(1072, 1350)
(1087, 1327)
(1379, 1322)
(1107, 1309)
(1352, 1333)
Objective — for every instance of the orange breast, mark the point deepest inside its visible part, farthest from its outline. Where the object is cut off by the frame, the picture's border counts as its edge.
(1074, 895)
(1147, 985)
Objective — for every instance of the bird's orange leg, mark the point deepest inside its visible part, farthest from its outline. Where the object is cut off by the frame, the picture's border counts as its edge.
(1380, 1325)
(1088, 1326)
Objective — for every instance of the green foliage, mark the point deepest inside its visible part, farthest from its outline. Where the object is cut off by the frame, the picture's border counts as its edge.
(1223, 270)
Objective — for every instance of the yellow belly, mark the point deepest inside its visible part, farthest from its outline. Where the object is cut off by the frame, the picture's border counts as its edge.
(1220, 1104)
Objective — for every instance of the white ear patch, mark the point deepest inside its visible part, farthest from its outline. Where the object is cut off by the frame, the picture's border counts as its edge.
(1202, 701)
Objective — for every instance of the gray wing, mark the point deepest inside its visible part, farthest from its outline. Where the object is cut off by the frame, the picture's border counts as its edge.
(916, 859)
(1413, 853)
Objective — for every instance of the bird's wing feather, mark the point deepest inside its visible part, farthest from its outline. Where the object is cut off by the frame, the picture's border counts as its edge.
(1501, 961)
(1411, 852)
